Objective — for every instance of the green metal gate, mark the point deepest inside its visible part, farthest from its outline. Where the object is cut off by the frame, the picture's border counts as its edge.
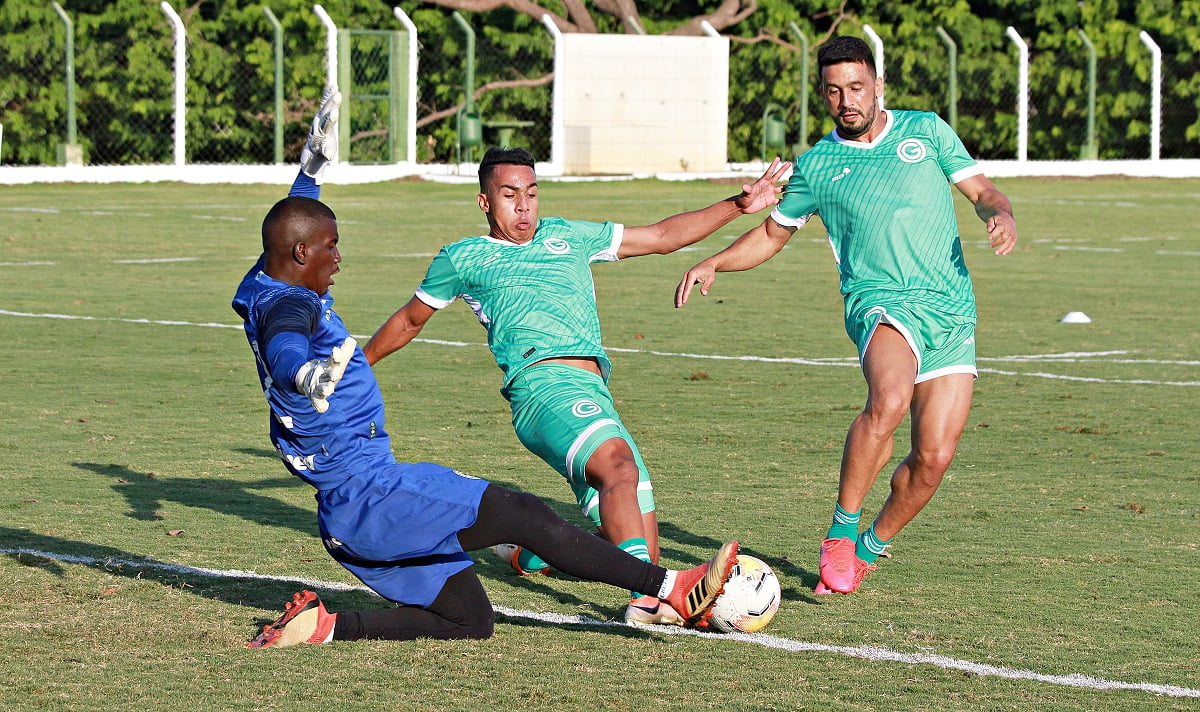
(372, 76)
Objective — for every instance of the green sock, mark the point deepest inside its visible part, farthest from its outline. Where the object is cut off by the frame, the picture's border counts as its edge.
(530, 561)
(869, 546)
(636, 547)
(845, 524)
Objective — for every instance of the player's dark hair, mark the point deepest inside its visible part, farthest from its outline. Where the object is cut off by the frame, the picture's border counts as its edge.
(496, 156)
(292, 208)
(843, 49)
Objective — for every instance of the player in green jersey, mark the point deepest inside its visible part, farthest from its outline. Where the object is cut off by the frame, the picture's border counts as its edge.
(878, 182)
(529, 282)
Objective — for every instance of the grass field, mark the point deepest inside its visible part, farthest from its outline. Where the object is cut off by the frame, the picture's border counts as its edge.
(148, 529)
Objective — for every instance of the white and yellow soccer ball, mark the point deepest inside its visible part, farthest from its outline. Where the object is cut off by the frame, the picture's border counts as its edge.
(750, 599)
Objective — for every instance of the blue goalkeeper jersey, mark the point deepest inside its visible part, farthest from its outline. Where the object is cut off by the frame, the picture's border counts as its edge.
(323, 449)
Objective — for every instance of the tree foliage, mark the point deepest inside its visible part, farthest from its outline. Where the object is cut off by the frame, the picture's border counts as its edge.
(124, 64)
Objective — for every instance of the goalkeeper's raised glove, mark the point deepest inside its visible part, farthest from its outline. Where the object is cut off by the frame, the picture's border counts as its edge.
(318, 378)
(321, 149)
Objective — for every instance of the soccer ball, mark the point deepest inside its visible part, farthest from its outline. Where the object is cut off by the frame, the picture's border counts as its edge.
(750, 599)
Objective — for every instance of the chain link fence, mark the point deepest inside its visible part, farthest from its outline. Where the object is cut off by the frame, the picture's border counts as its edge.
(477, 88)
(509, 95)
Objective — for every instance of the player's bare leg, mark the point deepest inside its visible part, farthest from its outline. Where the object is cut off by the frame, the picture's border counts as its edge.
(650, 528)
(940, 408)
(613, 472)
(890, 367)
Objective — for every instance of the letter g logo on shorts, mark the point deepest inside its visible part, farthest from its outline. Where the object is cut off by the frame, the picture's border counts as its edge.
(585, 409)
(911, 150)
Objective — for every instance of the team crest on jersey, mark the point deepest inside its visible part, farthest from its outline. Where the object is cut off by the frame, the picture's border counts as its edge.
(911, 150)
(584, 409)
(556, 245)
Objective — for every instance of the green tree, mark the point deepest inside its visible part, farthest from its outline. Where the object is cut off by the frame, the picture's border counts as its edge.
(125, 60)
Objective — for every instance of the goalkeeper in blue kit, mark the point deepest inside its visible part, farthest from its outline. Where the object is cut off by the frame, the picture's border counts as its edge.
(402, 528)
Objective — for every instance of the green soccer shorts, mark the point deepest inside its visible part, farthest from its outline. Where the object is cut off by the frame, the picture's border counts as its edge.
(943, 343)
(562, 414)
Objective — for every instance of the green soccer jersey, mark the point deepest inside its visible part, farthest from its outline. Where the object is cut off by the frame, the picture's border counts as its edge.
(536, 300)
(888, 210)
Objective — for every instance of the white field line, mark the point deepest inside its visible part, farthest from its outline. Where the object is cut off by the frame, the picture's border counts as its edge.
(868, 652)
(156, 261)
(1091, 357)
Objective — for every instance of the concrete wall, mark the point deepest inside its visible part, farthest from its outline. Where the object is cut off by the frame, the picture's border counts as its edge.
(641, 103)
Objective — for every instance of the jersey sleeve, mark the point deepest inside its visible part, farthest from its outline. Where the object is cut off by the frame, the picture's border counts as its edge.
(600, 241)
(442, 283)
(797, 204)
(305, 186)
(286, 326)
(295, 311)
(956, 163)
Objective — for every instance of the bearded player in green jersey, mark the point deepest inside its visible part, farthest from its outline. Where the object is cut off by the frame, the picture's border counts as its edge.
(878, 182)
(529, 282)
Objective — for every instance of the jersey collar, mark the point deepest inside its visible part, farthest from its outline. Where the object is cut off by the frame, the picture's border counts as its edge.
(867, 145)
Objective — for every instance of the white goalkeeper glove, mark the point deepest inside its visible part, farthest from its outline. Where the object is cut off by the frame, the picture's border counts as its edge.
(318, 378)
(321, 149)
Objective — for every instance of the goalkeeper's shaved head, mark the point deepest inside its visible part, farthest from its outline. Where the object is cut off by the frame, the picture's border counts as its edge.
(293, 220)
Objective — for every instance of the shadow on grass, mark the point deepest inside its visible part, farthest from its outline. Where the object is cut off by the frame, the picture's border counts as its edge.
(785, 569)
(146, 494)
(54, 555)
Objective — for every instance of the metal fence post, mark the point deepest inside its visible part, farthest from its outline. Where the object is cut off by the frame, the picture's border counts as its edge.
(1089, 150)
(952, 83)
(180, 83)
(879, 66)
(802, 144)
(410, 96)
(344, 81)
(558, 133)
(70, 153)
(278, 61)
(331, 64)
(1022, 94)
(1155, 93)
(469, 126)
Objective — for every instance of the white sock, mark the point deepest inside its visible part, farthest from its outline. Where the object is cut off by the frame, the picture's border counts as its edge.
(667, 584)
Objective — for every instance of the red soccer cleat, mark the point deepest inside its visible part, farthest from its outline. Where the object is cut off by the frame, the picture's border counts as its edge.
(837, 565)
(861, 570)
(304, 620)
(696, 590)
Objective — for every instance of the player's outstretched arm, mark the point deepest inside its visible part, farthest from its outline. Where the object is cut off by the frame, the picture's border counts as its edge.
(994, 209)
(320, 149)
(400, 328)
(670, 234)
(748, 251)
